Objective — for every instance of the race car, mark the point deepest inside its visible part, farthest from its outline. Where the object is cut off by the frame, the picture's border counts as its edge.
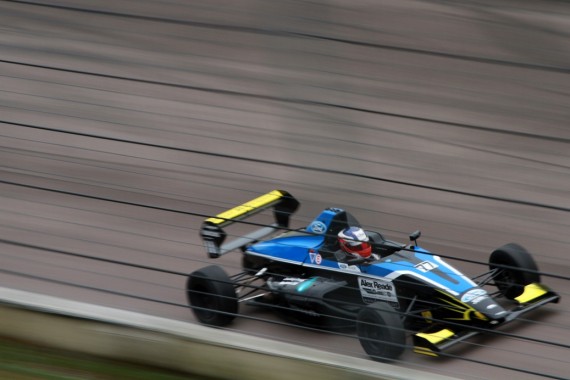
(399, 290)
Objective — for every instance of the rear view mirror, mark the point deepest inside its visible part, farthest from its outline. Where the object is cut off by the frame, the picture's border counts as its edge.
(415, 236)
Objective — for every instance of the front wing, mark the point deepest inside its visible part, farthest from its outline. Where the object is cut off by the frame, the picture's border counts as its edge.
(441, 336)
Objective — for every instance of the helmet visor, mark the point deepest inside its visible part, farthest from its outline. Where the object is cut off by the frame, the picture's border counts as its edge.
(359, 245)
(356, 246)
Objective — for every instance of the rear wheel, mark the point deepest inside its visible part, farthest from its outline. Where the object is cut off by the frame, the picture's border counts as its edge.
(212, 296)
(512, 263)
(381, 331)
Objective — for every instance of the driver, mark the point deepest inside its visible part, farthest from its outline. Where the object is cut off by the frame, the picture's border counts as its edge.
(355, 243)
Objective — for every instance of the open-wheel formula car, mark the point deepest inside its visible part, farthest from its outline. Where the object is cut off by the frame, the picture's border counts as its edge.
(400, 289)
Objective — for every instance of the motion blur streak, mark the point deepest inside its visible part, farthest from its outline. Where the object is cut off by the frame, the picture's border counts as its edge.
(125, 123)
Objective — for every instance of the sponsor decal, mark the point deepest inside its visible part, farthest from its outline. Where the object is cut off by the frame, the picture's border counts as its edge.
(315, 257)
(246, 208)
(425, 266)
(210, 246)
(285, 284)
(374, 289)
(318, 227)
(211, 234)
(345, 266)
(306, 284)
(474, 296)
(291, 281)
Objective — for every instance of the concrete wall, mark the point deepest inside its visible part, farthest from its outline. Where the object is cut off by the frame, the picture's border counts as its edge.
(176, 345)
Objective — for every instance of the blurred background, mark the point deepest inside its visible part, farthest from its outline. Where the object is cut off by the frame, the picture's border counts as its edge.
(125, 123)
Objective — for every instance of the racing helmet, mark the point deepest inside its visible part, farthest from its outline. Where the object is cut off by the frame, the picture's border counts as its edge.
(353, 240)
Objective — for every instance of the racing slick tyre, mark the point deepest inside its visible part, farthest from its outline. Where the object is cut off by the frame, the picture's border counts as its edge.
(381, 331)
(212, 296)
(511, 281)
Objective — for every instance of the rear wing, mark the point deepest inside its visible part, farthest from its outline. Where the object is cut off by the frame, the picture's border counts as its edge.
(212, 232)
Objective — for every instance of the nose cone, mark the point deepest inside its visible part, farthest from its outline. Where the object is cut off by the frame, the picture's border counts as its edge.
(483, 303)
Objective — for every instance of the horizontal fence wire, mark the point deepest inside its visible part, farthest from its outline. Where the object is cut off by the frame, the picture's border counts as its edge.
(38, 229)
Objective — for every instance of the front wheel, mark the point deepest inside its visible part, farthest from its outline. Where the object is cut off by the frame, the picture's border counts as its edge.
(212, 296)
(515, 268)
(381, 331)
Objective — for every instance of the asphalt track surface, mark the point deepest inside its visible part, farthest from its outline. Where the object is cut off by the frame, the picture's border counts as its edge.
(125, 123)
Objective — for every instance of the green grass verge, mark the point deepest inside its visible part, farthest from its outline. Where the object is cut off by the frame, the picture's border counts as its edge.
(19, 361)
